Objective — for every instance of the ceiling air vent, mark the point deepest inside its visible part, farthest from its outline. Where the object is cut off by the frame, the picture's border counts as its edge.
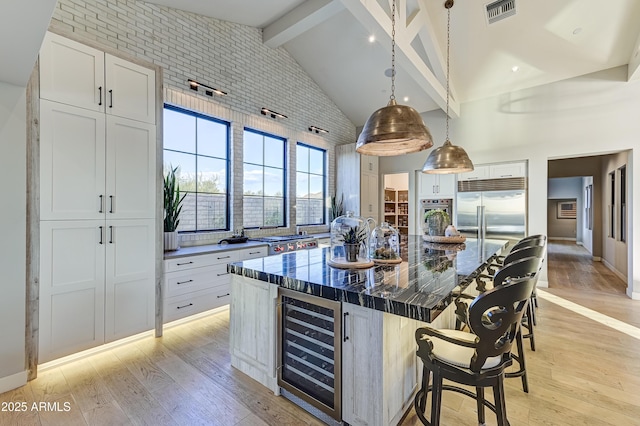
(500, 9)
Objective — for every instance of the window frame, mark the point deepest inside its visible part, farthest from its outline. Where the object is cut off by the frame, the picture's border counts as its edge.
(182, 110)
(284, 177)
(324, 182)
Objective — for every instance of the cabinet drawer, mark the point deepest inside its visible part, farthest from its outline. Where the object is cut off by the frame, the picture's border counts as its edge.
(200, 261)
(254, 252)
(196, 302)
(181, 282)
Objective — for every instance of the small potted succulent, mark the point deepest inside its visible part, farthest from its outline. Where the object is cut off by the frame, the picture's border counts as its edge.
(436, 222)
(353, 238)
(172, 208)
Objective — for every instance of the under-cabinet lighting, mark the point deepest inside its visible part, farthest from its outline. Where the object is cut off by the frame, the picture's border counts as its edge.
(208, 90)
(317, 129)
(272, 114)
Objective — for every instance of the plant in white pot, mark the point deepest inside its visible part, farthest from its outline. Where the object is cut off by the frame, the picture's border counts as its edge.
(172, 207)
(436, 222)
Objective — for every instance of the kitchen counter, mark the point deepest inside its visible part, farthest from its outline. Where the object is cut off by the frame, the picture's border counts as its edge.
(420, 288)
(210, 248)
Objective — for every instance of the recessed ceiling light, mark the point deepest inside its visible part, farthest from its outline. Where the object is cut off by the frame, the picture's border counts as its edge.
(405, 99)
(372, 38)
(577, 31)
(515, 68)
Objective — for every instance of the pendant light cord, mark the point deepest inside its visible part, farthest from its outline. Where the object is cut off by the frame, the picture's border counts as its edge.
(393, 51)
(448, 46)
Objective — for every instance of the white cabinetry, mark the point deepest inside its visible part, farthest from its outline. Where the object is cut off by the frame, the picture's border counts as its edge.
(79, 75)
(198, 283)
(252, 329)
(496, 171)
(436, 185)
(379, 366)
(479, 172)
(369, 205)
(97, 202)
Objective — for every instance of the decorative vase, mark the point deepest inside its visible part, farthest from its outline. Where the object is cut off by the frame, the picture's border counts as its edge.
(351, 252)
(437, 225)
(171, 241)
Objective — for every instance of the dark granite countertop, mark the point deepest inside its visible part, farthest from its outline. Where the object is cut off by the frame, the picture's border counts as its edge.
(420, 287)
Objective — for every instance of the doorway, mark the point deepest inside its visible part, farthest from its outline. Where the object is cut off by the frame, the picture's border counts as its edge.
(395, 207)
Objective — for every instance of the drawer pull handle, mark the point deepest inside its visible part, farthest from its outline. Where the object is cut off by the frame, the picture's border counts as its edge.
(110, 98)
(223, 295)
(100, 95)
(184, 263)
(101, 204)
(344, 326)
(185, 306)
(184, 282)
(223, 257)
(254, 252)
(224, 273)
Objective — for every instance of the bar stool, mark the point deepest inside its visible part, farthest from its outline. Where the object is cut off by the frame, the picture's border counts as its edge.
(518, 269)
(475, 359)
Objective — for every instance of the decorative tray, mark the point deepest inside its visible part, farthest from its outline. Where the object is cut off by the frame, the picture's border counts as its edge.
(341, 263)
(387, 261)
(448, 247)
(442, 239)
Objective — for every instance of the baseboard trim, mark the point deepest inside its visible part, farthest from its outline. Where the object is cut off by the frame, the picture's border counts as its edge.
(14, 381)
(544, 284)
(615, 271)
(562, 239)
(634, 295)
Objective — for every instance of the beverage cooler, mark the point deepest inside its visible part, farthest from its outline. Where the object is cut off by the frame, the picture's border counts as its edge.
(309, 350)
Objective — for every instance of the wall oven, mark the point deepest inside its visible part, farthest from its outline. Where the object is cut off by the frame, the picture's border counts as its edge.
(445, 204)
(309, 350)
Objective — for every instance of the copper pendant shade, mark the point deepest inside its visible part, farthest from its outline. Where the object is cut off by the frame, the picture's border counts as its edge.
(394, 129)
(448, 158)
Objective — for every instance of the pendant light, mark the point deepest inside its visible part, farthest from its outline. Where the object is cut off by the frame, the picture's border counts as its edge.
(394, 129)
(448, 158)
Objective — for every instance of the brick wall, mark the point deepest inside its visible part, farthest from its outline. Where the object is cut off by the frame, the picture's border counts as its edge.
(227, 56)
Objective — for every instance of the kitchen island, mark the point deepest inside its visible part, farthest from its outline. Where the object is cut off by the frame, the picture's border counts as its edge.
(346, 337)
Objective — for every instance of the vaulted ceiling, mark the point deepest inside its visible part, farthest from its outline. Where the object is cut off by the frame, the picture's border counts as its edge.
(547, 40)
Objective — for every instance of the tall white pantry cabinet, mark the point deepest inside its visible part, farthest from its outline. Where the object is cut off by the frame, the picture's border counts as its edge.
(97, 198)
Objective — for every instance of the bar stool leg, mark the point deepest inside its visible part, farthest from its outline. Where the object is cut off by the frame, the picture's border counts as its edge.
(480, 404)
(501, 408)
(436, 398)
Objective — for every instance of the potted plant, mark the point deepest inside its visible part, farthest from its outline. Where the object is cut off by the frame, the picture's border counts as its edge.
(172, 207)
(436, 221)
(337, 207)
(353, 238)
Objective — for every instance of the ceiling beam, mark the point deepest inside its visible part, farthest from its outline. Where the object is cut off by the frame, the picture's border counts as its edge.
(304, 17)
(370, 14)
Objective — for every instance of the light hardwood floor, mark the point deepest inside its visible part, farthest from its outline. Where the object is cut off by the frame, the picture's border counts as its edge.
(582, 373)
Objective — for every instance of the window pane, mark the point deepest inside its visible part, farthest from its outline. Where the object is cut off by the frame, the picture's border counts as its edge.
(252, 212)
(302, 210)
(212, 138)
(252, 181)
(273, 212)
(273, 182)
(273, 152)
(302, 184)
(188, 213)
(302, 159)
(316, 211)
(212, 211)
(316, 161)
(253, 147)
(212, 175)
(186, 172)
(179, 131)
(316, 184)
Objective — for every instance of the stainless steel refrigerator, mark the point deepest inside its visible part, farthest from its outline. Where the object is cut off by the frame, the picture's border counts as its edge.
(492, 208)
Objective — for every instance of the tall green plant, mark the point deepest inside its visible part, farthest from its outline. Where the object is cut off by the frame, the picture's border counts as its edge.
(172, 201)
(337, 206)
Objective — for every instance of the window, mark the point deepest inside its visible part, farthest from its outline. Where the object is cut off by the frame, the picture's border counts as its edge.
(310, 185)
(623, 204)
(199, 146)
(264, 180)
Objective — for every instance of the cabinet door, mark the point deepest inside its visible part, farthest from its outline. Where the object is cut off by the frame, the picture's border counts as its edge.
(71, 287)
(131, 90)
(369, 164)
(130, 277)
(72, 73)
(72, 155)
(130, 167)
(362, 374)
(508, 170)
(479, 172)
(427, 185)
(369, 196)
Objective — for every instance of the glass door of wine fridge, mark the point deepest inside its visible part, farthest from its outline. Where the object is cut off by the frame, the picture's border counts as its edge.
(309, 331)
